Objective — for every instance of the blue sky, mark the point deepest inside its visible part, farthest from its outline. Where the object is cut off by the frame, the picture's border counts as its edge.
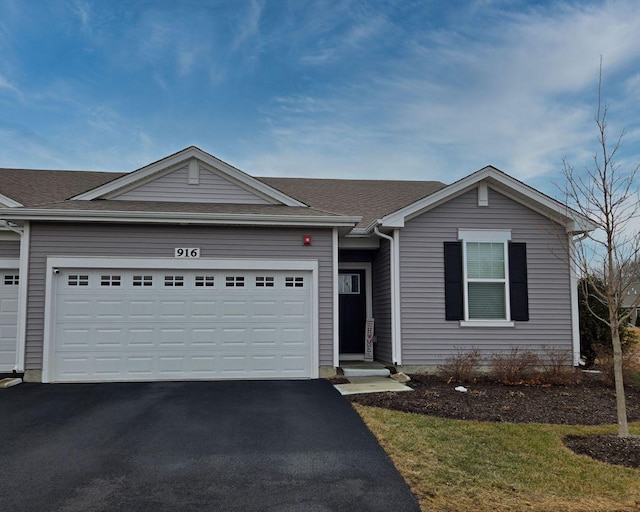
(386, 89)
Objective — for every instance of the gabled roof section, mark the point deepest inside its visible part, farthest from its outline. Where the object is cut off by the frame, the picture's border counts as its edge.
(28, 187)
(173, 162)
(504, 184)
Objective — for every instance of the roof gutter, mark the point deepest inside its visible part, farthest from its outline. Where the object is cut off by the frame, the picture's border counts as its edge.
(178, 218)
(394, 247)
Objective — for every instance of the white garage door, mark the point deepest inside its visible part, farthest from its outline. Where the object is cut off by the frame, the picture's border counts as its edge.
(9, 281)
(121, 325)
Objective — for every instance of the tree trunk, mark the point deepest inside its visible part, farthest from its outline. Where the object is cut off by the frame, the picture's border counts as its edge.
(621, 403)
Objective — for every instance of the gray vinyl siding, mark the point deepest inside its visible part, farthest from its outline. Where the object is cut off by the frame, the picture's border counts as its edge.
(427, 338)
(381, 278)
(9, 249)
(175, 187)
(93, 240)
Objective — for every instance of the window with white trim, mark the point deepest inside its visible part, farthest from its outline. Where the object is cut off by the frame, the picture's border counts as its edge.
(486, 283)
(265, 282)
(78, 280)
(207, 281)
(11, 280)
(234, 281)
(485, 278)
(173, 281)
(294, 282)
(139, 280)
(109, 280)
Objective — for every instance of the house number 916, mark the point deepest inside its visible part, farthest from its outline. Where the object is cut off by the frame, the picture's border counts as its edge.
(187, 252)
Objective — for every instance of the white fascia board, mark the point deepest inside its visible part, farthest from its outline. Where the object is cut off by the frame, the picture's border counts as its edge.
(396, 219)
(8, 202)
(179, 218)
(183, 156)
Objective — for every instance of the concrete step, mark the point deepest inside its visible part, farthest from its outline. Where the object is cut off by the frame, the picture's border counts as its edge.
(365, 372)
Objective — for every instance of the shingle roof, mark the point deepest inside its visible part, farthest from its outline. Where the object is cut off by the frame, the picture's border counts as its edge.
(116, 205)
(30, 187)
(370, 199)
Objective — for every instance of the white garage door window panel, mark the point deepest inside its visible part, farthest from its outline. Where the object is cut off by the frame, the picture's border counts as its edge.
(154, 332)
(9, 284)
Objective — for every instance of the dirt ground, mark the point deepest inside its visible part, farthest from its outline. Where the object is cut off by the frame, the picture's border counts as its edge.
(587, 403)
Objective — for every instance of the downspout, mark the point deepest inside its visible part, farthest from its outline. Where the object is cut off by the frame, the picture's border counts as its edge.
(575, 311)
(396, 353)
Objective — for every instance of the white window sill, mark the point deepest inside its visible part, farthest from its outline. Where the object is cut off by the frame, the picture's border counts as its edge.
(487, 323)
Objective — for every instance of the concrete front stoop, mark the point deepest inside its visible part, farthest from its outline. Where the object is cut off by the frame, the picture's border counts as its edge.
(369, 377)
(370, 385)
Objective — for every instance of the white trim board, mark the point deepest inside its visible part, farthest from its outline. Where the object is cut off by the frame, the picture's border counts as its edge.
(535, 200)
(10, 263)
(54, 263)
(180, 218)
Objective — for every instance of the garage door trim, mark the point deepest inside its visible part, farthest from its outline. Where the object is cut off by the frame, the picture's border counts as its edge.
(54, 264)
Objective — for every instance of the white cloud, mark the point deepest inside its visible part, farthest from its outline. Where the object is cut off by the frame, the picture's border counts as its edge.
(82, 10)
(8, 86)
(513, 90)
(249, 26)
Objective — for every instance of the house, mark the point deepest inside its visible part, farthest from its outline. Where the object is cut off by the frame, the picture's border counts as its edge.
(189, 268)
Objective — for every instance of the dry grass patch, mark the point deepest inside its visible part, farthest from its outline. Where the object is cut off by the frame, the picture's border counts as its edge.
(454, 465)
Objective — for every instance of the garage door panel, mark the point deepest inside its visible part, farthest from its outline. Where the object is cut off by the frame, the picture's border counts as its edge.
(233, 336)
(73, 338)
(141, 309)
(158, 324)
(294, 336)
(139, 338)
(109, 338)
(70, 309)
(111, 309)
(203, 310)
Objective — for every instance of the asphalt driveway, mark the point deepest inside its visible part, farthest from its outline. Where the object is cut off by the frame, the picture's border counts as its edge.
(246, 446)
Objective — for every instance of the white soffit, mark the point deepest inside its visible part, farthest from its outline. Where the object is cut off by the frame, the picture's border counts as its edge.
(181, 159)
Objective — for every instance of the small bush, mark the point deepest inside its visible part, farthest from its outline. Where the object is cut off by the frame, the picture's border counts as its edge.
(556, 368)
(515, 367)
(630, 366)
(461, 368)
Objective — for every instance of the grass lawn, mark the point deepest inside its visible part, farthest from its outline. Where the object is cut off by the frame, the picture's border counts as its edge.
(454, 465)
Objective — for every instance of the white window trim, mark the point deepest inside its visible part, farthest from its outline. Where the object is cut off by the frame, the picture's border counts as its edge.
(486, 236)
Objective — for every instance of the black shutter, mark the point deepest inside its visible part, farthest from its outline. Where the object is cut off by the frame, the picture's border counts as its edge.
(518, 281)
(453, 282)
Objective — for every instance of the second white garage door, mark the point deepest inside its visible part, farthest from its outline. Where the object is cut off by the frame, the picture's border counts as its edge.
(9, 280)
(122, 325)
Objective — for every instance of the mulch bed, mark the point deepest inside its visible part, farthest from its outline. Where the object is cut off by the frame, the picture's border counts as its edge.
(587, 403)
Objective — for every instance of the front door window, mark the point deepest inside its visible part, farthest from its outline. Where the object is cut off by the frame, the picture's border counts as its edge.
(349, 284)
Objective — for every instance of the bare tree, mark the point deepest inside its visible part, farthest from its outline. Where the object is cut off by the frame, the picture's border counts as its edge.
(607, 257)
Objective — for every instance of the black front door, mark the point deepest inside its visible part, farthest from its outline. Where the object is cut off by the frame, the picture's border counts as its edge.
(353, 311)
